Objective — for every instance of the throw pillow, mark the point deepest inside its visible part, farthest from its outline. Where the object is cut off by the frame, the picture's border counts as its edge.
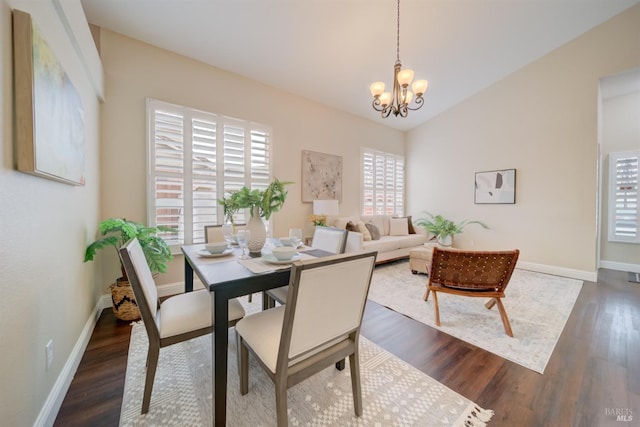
(398, 227)
(352, 227)
(409, 222)
(362, 228)
(373, 230)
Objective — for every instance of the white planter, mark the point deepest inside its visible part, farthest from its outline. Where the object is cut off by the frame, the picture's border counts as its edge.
(446, 241)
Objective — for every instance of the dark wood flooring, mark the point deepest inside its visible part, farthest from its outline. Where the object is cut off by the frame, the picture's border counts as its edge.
(592, 376)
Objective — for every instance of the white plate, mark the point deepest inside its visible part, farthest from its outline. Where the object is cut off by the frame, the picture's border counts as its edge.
(206, 254)
(271, 259)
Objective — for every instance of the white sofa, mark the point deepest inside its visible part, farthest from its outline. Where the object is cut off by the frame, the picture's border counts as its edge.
(392, 244)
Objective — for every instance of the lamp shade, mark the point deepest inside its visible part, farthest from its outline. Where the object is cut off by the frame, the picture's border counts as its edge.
(325, 207)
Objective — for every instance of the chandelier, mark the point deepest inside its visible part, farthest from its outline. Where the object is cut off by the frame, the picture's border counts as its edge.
(399, 101)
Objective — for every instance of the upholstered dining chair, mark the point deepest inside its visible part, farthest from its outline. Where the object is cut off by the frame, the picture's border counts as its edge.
(480, 274)
(178, 318)
(213, 233)
(319, 326)
(327, 239)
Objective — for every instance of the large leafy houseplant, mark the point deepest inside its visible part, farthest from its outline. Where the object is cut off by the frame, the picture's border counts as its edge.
(266, 201)
(116, 232)
(443, 228)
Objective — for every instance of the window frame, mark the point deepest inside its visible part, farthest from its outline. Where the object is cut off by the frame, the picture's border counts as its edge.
(394, 208)
(251, 178)
(612, 234)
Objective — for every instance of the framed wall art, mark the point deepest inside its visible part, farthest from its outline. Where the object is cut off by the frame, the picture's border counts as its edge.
(49, 112)
(321, 176)
(495, 187)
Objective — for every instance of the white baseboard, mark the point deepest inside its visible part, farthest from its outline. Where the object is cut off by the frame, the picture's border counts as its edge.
(49, 411)
(620, 266)
(591, 276)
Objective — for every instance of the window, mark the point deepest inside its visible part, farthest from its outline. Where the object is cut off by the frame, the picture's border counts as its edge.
(624, 221)
(194, 158)
(382, 183)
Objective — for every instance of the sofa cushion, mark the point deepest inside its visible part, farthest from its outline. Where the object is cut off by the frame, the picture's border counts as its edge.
(380, 221)
(341, 222)
(351, 226)
(413, 240)
(373, 230)
(385, 244)
(398, 227)
(366, 235)
(409, 223)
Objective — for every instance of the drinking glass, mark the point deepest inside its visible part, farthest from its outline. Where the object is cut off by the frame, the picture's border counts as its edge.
(243, 241)
(295, 237)
(227, 232)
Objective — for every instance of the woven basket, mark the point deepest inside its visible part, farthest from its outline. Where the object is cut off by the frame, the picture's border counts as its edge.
(124, 302)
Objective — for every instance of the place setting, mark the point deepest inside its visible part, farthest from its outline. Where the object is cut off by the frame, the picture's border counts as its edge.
(282, 253)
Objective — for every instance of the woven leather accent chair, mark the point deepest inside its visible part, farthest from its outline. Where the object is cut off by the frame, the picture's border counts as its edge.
(483, 274)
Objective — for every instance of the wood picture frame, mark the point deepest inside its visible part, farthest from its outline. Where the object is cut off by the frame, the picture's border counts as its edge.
(49, 112)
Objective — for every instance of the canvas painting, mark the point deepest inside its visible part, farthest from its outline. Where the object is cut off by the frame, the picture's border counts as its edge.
(496, 187)
(321, 176)
(49, 111)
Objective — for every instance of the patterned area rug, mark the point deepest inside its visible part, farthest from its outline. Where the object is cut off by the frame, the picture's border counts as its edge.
(538, 306)
(394, 393)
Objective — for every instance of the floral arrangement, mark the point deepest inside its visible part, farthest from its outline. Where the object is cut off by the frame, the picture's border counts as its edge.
(318, 219)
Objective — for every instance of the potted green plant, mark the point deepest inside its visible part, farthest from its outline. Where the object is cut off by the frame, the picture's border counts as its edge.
(444, 229)
(116, 232)
(262, 204)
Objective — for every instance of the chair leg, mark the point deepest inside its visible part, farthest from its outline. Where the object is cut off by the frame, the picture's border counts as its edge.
(152, 363)
(354, 365)
(505, 319)
(490, 303)
(281, 399)
(250, 297)
(435, 306)
(243, 366)
(426, 294)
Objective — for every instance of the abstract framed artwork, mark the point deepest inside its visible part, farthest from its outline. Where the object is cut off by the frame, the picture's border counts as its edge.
(49, 112)
(495, 187)
(321, 176)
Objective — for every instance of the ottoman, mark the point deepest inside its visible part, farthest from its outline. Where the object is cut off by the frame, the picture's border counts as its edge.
(420, 258)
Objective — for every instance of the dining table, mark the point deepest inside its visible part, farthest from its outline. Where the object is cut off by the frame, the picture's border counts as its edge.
(229, 277)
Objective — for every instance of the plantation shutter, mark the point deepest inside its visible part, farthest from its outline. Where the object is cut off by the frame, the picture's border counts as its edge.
(382, 183)
(624, 220)
(194, 159)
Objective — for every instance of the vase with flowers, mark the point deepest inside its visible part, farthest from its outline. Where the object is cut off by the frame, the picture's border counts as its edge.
(262, 204)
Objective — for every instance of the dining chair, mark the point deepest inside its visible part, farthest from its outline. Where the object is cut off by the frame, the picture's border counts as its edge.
(213, 233)
(480, 274)
(178, 318)
(319, 326)
(328, 239)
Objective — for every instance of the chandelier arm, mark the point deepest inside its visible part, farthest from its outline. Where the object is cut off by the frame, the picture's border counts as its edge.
(419, 101)
(376, 104)
(388, 110)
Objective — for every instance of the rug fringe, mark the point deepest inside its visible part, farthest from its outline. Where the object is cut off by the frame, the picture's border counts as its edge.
(475, 416)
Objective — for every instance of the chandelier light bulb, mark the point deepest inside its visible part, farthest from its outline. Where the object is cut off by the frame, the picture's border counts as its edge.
(376, 88)
(385, 99)
(408, 97)
(420, 87)
(405, 77)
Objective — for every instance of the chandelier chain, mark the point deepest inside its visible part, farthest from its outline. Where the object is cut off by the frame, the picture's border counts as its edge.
(398, 35)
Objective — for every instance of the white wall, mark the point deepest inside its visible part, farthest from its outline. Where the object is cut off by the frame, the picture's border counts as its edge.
(542, 121)
(620, 132)
(135, 70)
(47, 291)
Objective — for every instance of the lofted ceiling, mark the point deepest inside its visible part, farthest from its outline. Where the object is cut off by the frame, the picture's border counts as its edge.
(329, 51)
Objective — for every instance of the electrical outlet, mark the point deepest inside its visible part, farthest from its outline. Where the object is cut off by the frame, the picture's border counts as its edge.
(49, 352)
